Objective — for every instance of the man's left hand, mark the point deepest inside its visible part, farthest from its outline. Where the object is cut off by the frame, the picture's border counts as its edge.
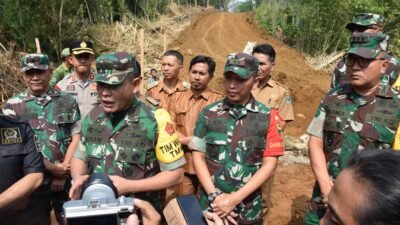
(224, 204)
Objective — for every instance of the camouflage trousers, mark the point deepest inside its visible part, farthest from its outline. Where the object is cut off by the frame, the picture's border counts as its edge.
(315, 210)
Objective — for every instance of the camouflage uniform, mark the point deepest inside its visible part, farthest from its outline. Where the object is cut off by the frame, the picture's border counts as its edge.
(234, 139)
(53, 118)
(125, 147)
(62, 70)
(347, 122)
(339, 77)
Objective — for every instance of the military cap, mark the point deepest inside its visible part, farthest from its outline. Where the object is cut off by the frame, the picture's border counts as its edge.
(65, 52)
(365, 19)
(368, 45)
(80, 46)
(241, 64)
(34, 61)
(113, 68)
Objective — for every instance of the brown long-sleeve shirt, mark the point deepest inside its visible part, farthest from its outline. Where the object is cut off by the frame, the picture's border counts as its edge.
(162, 95)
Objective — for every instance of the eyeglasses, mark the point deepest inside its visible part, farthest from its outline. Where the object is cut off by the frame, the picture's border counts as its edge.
(362, 29)
(351, 60)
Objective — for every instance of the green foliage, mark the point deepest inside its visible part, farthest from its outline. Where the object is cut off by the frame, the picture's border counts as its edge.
(244, 6)
(318, 26)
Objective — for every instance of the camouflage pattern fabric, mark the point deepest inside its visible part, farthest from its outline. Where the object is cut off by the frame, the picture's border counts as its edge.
(34, 61)
(53, 118)
(365, 19)
(59, 73)
(234, 147)
(112, 68)
(351, 122)
(242, 64)
(126, 149)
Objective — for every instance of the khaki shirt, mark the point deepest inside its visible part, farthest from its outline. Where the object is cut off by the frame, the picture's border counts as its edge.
(276, 96)
(162, 95)
(184, 109)
(84, 92)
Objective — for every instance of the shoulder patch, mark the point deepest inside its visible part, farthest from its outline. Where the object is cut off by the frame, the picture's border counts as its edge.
(11, 135)
(288, 99)
(168, 148)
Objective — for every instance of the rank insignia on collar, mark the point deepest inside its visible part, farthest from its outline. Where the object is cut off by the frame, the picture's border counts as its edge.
(10, 136)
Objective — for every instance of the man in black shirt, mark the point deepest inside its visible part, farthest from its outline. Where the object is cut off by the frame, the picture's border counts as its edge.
(21, 172)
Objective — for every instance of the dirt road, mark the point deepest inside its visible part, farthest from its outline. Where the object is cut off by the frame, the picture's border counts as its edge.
(217, 34)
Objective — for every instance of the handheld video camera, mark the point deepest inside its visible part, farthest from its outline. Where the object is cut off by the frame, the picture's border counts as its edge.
(99, 204)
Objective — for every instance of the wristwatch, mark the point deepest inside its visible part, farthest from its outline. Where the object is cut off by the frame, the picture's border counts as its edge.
(211, 197)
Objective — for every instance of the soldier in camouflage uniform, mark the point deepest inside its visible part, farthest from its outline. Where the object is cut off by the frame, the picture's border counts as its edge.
(53, 116)
(360, 115)
(368, 23)
(119, 136)
(63, 69)
(236, 143)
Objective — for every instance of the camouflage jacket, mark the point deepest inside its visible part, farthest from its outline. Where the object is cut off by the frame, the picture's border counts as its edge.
(235, 139)
(339, 77)
(59, 74)
(350, 122)
(53, 118)
(126, 149)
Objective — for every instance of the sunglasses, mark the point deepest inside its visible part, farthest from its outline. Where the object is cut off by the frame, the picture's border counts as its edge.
(363, 28)
(351, 60)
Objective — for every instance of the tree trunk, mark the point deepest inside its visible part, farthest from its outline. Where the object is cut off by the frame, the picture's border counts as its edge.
(88, 11)
(21, 24)
(60, 25)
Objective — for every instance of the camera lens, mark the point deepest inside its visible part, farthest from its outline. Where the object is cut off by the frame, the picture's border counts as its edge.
(99, 186)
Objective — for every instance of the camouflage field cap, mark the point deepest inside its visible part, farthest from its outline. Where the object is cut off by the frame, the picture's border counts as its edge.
(80, 46)
(34, 61)
(368, 45)
(113, 68)
(65, 52)
(242, 64)
(365, 19)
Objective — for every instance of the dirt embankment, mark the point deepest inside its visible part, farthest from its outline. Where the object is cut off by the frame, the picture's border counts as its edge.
(217, 34)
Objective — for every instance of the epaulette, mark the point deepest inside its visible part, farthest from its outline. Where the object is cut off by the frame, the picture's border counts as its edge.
(151, 85)
(281, 85)
(186, 84)
(152, 101)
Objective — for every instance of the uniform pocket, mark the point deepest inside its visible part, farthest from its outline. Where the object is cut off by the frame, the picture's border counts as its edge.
(65, 117)
(216, 149)
(254, 150)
